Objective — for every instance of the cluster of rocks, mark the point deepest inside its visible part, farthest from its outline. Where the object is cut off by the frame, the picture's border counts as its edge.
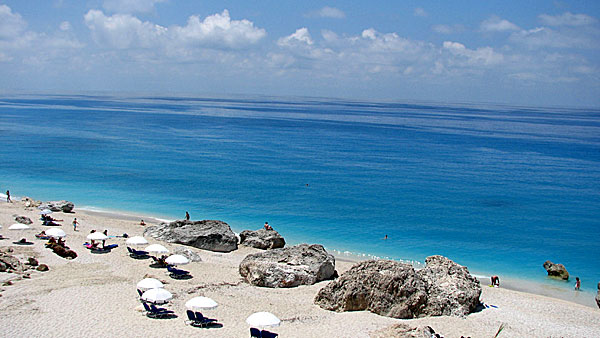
(56, 206)
(288, 267)
(556, 270)
(207, 234)
(397, 290)
(12, 264)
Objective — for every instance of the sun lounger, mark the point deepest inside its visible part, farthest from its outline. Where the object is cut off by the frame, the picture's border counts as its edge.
(174, 272)
(205, 320)
(111, 246)
(268, 334)
(255, 333)
(194, 320)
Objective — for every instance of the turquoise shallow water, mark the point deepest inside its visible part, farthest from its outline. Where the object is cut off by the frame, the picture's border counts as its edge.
(499, 189)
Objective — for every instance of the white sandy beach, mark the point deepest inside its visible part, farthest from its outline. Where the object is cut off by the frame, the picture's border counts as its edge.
(95, 294)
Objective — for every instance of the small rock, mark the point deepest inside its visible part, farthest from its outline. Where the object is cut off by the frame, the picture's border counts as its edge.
(9, 283)
(32, 261)
(189, 253)
(23, 220)
(26, 276)
(42, 267)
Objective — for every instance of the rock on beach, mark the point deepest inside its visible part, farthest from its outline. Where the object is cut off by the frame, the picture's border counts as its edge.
(288, 267)
(262, 239)
(397, 290)
(207, 234)
(58, 206)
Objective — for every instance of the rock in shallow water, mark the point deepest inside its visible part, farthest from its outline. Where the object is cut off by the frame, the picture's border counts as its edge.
(397, 290)
(208, 234)
(288, 267)
(556, 270)
(262, 239)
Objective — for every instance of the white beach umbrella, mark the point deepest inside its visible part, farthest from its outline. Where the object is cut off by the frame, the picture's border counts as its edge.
(157, 248)
(149, 283)
(56, 232)
(177, 260)
(157, 296)
(136, 240)
(97, 236)
(200, 303)
(46, 212)
(263, 319)
(19, 226)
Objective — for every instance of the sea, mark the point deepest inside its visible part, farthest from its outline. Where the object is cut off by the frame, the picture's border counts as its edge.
(497, 188)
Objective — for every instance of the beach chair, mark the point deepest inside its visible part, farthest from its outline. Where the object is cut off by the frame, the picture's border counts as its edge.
(177, 273)
(206, 321)
(268, 334)
(111, 246)
(255, 333)
(140, 293)
(160, 312)
(194, 320)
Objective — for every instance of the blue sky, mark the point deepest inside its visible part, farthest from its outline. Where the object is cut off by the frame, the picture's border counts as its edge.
(513, 52)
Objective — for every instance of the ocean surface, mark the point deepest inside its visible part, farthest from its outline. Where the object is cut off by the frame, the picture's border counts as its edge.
(500, 189)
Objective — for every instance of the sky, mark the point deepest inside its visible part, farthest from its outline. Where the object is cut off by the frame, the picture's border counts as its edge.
(543, 53)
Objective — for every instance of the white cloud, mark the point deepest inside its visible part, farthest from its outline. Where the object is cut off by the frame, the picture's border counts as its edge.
(567, 19)
(123, 30)
(219, 29)
(11, 24)
(420, 12)
(65, 26)
(483, 55)
(216, 31)
(541, 37)
(496, 24)
(130, 6)
(448, 29)
(328, 12)
(301, 36)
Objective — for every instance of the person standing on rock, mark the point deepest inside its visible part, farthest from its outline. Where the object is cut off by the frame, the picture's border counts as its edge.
(187, 216)
(8, 200)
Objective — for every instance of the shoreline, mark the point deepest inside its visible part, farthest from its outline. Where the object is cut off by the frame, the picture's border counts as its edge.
(525, 285)
(584, 297)
(530, 286)
(97, 292)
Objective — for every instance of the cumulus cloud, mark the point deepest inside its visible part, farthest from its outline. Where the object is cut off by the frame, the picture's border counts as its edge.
(496, 24)
(301, 36)
(483, 55)
(130, 6)
(328, 12)
(11, 24)
(17, 41)
(567, 19)
(215, 31)
(420, 12)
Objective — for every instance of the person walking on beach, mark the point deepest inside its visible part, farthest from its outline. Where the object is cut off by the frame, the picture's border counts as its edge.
(75, 224)
(577, 284)
(495, 281)
(187, 216)
(8, 200)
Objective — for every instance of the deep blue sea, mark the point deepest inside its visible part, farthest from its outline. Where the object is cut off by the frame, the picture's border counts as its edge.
(499, 189)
